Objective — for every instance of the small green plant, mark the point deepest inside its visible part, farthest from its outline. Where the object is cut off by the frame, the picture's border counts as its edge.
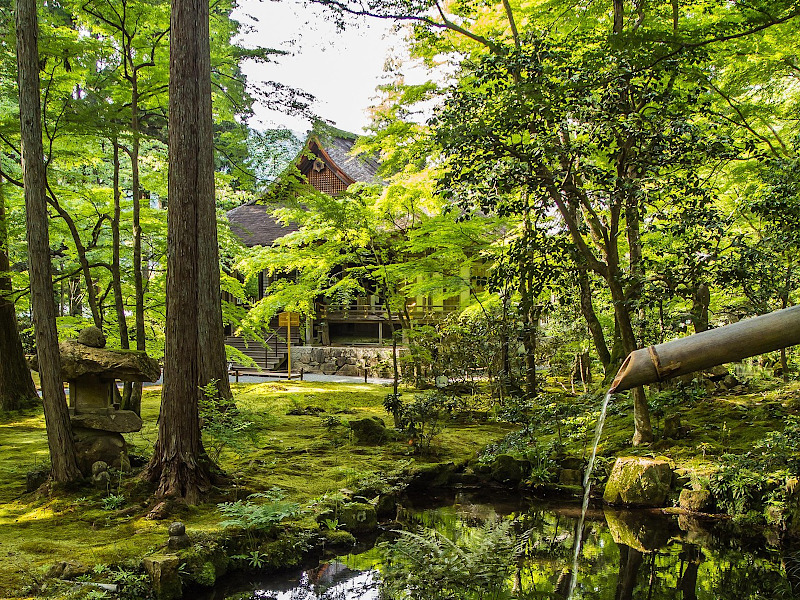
(113, 502)
(134, 584)
(332, 524)
(254, 517)
(394, 406)
(224, 425)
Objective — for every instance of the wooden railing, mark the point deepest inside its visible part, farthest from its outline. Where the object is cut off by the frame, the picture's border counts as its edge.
(368, 312)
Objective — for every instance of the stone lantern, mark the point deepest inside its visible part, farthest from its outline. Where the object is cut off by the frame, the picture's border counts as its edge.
(97, 421)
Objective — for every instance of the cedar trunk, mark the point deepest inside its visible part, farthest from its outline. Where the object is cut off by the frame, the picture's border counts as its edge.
(16, 384)
(64, 466)
(178, 462)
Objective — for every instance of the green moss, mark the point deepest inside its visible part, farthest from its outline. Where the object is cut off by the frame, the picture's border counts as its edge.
(338, 538)
(36, 531)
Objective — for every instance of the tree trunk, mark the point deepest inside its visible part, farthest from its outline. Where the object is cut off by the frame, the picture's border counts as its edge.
(178, 463)
(16, 385)
(700, 302)
(129, 400)
(64, 466)
(592, 322)
(135, 398)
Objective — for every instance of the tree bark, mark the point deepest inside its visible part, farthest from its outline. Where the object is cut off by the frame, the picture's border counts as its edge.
(64, 466)
(179, 464)
(128, 398)
(592, 322)
(16, 384)
(135, 400)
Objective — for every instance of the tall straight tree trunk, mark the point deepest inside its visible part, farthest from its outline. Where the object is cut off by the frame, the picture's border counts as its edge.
(64, 466)
(178, 463)
(116, 282)
(16, 385)
(134, 400)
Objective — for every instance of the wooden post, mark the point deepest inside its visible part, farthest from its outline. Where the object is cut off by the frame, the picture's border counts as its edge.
(289, 348)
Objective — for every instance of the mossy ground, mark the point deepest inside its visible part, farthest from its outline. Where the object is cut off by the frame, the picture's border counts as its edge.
(712, 424)
(299, 454)
(307, 455)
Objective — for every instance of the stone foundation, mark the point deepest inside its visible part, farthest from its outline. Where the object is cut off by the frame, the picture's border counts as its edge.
(345, 360)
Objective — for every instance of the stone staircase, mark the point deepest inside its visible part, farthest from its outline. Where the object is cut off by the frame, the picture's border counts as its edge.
(269, 356)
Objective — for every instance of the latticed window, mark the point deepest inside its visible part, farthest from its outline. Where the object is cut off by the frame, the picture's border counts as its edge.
(326, 182)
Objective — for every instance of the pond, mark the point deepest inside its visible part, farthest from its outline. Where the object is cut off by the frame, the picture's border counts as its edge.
(471, 546)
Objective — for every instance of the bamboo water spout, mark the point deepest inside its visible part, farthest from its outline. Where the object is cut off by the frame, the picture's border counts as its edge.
(750, 337)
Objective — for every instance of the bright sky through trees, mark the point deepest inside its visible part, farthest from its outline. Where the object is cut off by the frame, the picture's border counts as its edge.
(341, 68)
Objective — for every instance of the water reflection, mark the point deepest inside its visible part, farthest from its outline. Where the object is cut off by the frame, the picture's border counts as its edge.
(626, 555)
(330, 581)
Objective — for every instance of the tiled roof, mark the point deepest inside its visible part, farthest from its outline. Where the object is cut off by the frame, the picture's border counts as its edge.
(255, 226)
(253, 223)
(358, 168)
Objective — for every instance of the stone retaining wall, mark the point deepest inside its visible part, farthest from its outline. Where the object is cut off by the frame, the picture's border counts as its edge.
(344, 360)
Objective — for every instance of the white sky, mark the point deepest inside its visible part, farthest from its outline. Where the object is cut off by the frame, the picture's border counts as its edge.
(342, 69)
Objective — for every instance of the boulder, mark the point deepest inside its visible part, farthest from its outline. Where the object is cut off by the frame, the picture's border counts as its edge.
(92, 445)
(506, 469)
(369, 431)
(92, 337)
(358, 517)
(163, 572)
(695, 500)
(636, 481)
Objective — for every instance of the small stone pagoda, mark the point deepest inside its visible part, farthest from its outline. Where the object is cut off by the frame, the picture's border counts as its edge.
(94, 400)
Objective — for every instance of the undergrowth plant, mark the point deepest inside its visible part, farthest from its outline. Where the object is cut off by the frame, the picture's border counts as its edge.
(223, 425)
(430, 566)
(258, 517)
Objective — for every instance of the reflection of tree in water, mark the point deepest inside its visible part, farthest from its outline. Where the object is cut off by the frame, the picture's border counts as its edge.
(329, 581)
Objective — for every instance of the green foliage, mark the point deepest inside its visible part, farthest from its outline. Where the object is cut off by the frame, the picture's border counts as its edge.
(421, 419)
(756, 479)
(113, 502)
(429, 566)
(224, 425)
(258, 517)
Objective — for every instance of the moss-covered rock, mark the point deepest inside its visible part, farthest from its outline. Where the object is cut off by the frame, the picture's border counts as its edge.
(369, 431)
(636, 481)
(358, 517)
(164, 576)
(205, 562)
(431, 475)
(506, 469)
(695, 500)
(338, 538)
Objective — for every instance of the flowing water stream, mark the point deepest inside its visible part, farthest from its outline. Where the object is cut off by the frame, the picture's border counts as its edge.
(587, 488)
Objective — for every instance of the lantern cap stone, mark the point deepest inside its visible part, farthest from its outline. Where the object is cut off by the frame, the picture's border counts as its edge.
(78, 360)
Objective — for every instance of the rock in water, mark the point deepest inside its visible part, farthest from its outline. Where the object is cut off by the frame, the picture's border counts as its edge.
(506, 469)
(636, 481)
